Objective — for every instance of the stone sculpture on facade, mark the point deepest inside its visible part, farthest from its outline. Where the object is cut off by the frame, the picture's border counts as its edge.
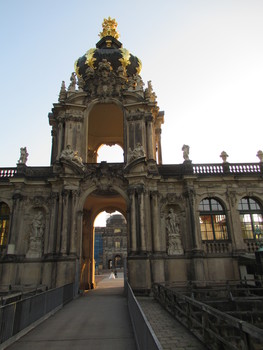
(73, 82)
(138, 152)
(173, 233)
(260, 156)
(23, 156)
(35, 249)
(72, 156)
(185, 150)
(149, 93)
(224, 156)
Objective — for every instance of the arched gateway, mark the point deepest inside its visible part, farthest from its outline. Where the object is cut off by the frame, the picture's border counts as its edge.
(184, 221)
(110, 107)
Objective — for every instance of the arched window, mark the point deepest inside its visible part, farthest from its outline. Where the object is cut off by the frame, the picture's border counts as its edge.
(212, 220)
(4, 223)
(251, 217)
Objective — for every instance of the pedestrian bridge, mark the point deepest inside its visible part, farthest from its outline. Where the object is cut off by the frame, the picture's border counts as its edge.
(103, 318)
(110, 317)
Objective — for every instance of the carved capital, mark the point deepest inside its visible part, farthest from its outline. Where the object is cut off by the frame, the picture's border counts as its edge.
(65, 193)
(231, 196)
(140, 190)
(75, 193)
(135, 117)
(173, 198)
(38, 201)
(17, 197)
(154, 194)
(149, 118)
(131, 191)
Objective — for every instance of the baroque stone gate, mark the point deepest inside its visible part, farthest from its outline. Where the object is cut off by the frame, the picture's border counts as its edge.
(184, 221)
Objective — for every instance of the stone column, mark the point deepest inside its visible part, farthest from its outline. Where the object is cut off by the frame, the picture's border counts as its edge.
(133, 243)
(15, 218)
(73, 232)
(79, 234)
(159, 145)
(92, 260)
(59, 223)
(60, 137)
(156, 221)
(85, 263)
(64, 233)
(148, 224)
(52, 224)
(141, 194)
(233, 219)
(190, 198)
(54, 150)
(79, 137)
(150, 143)
(69, 127)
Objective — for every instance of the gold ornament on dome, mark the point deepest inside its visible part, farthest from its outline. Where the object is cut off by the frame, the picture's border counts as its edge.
(77, 69)
(125, 60)
(139, 68)
(109, 28)
(89, 58)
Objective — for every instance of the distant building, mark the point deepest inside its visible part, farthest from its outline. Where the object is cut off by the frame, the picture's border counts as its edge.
(98, 246)
(111, 243)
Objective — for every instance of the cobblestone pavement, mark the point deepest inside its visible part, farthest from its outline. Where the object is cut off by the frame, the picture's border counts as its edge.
(170, 333)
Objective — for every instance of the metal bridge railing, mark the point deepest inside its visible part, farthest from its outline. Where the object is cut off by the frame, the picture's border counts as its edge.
(216, 329)
(18, 316)
(144, 335)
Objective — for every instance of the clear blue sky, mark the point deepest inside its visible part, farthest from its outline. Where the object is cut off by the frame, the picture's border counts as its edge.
(204, 58)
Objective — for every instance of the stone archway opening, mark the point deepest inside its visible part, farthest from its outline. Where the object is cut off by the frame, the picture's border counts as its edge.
(110, 154)
(110, 242)
(98, 201)
(104, 127)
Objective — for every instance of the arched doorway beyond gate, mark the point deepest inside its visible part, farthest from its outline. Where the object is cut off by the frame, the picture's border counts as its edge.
(96, 202)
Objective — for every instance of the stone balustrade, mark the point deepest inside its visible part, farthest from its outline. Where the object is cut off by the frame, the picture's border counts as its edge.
(217, 247)
(167, 170)
(7, 172)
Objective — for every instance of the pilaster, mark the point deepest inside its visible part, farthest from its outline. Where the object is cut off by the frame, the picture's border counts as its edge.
(155, 213)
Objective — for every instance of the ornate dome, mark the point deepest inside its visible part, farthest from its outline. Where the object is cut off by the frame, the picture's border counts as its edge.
(108, 54)
(116, 220)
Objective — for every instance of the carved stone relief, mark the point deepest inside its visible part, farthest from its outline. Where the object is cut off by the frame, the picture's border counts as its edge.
(137, 152)
(72, 156)
(36, 236)
(174, 243)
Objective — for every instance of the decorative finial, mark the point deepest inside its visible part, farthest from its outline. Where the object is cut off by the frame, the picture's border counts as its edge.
(109, 28)
(62, 93)
(260, 156)
(224, 156)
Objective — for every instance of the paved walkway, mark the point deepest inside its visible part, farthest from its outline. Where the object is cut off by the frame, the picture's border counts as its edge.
(170, 333)
(99, 320)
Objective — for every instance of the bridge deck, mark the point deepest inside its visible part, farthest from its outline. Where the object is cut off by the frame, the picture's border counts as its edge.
(100, 320)
(97, 320)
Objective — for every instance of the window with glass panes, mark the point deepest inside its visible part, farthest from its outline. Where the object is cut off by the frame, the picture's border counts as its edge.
(4, 223)
(251, 220)
(212, 220)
